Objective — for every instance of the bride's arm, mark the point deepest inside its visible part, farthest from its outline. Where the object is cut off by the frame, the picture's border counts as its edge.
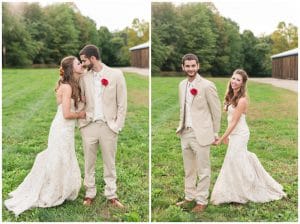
(240, 108)
(66, 103)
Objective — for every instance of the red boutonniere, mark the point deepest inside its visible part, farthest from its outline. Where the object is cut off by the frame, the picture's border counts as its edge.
(194, 91)
(104, 82)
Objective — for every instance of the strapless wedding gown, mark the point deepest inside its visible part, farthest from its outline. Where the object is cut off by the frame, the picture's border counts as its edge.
(55, 175)
(242, 177)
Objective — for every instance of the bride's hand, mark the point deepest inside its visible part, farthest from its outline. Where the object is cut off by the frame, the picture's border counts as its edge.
(81, 114)
(225, 141)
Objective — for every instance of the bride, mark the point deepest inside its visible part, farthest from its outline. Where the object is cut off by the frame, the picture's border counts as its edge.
(55, 175)
(242, 177)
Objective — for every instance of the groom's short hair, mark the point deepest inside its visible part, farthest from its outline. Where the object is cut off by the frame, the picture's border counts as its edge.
(89, 51)
(189, 57)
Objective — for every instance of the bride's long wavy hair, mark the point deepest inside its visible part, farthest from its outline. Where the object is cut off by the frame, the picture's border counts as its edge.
(67, 77)
(230, 98)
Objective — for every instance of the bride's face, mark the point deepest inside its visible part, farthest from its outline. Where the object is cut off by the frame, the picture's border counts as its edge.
(236, 81)
(77, 67)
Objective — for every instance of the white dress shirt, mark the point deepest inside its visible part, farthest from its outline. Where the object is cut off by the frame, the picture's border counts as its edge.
(98, 87)
(188, 103)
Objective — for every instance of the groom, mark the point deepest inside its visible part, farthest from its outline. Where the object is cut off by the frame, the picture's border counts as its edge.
(104, 91)
(200, 116)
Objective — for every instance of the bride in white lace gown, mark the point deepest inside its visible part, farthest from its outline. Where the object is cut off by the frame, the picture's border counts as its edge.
(242, 177)
(55, 175)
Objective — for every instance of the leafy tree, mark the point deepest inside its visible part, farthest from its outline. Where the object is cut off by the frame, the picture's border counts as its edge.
(229, 47)
(263, 56)
(18, 48)
(234, 47)
(166, 25)
(255, 52)
(44, 35)
(248, 43)
(115, 46)
(200, 29)
(159, 53)
(63, 37)
(104, 44)
(138, 33)
(197, 35)
(88, 33)
(37, 27)
(284, 38)
(121, 52)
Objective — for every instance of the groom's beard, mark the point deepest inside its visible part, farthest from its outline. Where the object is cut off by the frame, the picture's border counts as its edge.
(191, 74)
(89, 67)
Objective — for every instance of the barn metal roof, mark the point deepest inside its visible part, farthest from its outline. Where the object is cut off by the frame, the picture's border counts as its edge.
(140, 46)
(286, 53)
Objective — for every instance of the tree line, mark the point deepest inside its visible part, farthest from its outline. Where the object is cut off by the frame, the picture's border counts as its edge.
(32, 34)
(200, 29)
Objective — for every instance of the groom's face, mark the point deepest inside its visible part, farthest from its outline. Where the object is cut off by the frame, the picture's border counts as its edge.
(190, 67)
(86, 62)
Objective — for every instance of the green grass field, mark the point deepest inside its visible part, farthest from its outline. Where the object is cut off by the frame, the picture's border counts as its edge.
(272, 119)
(28, 107)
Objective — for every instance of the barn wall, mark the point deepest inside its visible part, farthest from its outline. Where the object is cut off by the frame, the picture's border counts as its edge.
(285, 67)
(140, 58)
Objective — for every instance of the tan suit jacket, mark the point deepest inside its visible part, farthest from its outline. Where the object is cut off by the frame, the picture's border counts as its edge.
(114, 98)
(205, 110)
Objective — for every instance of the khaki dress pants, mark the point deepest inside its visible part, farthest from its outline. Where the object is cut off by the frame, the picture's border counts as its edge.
(93, 135)
(196, 163)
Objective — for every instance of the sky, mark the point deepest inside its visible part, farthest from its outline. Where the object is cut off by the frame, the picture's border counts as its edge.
(114, 14)
(261, 17)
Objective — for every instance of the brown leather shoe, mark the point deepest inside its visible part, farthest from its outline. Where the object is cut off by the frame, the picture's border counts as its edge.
(199, 208)
(183, 203)
(116, 203)
(87, 201)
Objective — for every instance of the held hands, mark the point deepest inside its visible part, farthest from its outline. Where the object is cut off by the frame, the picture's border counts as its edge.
(221, 140)
(218, 141)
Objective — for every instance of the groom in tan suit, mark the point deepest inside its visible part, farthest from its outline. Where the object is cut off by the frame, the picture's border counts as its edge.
(200, 116)
(103, 90)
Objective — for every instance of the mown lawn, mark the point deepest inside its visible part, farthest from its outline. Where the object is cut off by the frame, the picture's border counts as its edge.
(272, 119)
(28, 106)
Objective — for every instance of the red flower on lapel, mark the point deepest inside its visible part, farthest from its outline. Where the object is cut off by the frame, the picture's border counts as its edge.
(194, 91)
(104, 82)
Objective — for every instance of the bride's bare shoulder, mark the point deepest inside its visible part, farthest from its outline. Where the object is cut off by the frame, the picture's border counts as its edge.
(243, 100)
(243, 104)
(64, 88)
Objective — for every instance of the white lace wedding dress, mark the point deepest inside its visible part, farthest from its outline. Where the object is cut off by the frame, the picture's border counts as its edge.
(55, 175)
(242, 177)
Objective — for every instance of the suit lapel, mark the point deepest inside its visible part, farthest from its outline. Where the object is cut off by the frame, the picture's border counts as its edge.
(197, 86)
(104, 76)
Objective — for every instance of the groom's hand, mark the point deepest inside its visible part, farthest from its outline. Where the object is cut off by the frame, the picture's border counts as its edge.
(216, 140)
